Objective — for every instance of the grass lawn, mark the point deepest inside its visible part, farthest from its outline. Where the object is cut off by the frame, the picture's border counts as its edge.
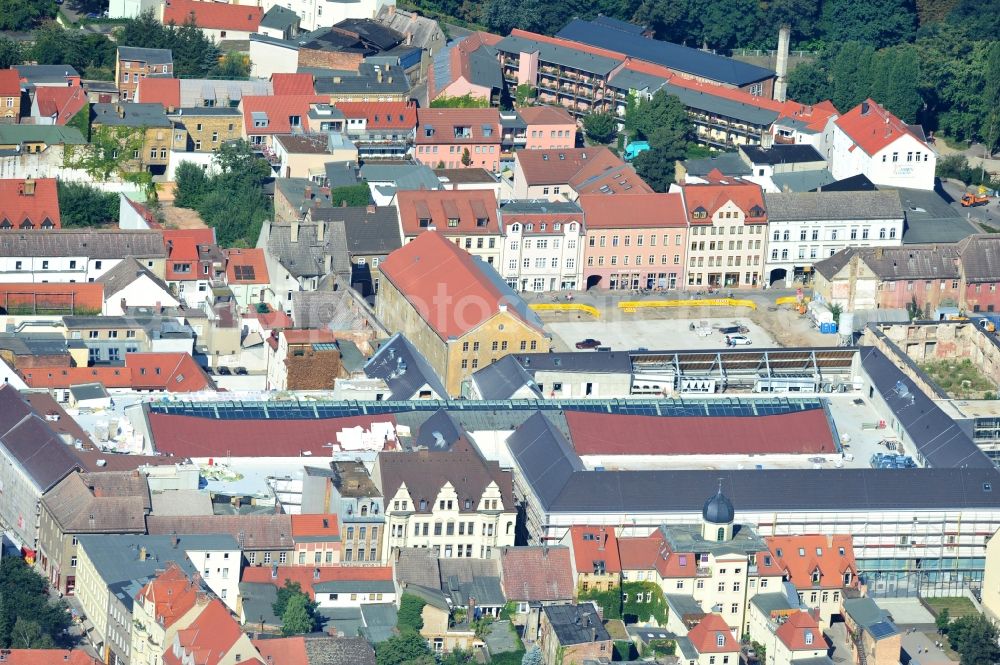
(957, 606)
(960, 379)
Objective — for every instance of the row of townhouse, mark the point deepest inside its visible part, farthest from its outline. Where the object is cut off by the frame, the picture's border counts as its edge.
(720, 233)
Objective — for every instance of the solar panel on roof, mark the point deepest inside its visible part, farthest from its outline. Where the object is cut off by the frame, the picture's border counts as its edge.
(882, 629)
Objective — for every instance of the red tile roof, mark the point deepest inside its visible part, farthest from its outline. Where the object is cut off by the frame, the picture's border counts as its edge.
(797, 433)
(636, 211)
(10, 83)
(246, 266)
(60, 103)
(706, 635)
(309, 336)
(546, 115)
(16, 206)
(873, 129)
(306, 575)
(719, 191)
(283, 650)
(536, 573)
(169, 372)
(382, 115)
(213, 15)
(800, 632)
(558, 167)
(622, 180)
(444, 122)
(171, 594)
(209, 637)
(431, 271)
(165, 91)
(278, 108)
(468, 206)
(315, 525)
(191, 436)
(48, 656)
(644, 553)
(801, 556)
(293, 84)
(594, 543)
(815, 116)
(184, 246)
(70, 297)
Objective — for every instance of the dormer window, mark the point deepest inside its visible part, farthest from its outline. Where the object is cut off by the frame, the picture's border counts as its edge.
(767, 561)
(841, 551)
(756, 211)
(452, 222)
(463, 132)
(819, 551)
(487, 130)
(428, 131)
(295, 121)
(424, 222)
(541, 227)
(848, 577)
(529, 227)
(802, 551)
(515, 228)
(720, 639)
(816, 576)
(423, 504)
(557, 227)
(482, 222)
(809, 637)
(699, 213)
(778, 552)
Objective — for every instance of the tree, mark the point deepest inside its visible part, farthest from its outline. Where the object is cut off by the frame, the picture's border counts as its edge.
(233, 65)
(466, 157)
(18, 15)
(191, 186)
(975, 639)
(285, 594)
(525, 94)
(879, 24)
(600, 127)
(81, 205)
(351, 195)
(27, 634)
(297, 619)
(24, 598)
(463, 102)
(662, 120)
(194, 53)
(93, 55)
(410, 618)
(406, 647)
(809, 83)
(656, 166)
(11, 53)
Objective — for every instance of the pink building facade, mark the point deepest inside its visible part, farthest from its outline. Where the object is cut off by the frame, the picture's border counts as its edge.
(634, 242)
(458, 138)
(549, 128)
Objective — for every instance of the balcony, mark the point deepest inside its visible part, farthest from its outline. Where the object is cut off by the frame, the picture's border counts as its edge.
(703, 571)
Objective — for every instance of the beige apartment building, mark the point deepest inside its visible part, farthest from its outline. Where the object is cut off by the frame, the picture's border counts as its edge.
(455, 503)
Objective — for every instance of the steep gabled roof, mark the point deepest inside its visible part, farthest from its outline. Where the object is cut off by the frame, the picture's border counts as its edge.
(556, 167)
(159, 90)
(710, 631)
(474, 209)
(171, 594)
(60, 103)
(17, 205)
(426, 472)
(800, 632)
(718, 191)
(483, 125)
(104, 501)
(540, 573)
(873, 128)
(803, 557)
(30, 444)
(213, 15)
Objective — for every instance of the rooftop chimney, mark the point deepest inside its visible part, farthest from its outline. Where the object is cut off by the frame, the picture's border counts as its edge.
(142, 553)
(864, 108)
(781, 65)
(29, 187)
(295, 230)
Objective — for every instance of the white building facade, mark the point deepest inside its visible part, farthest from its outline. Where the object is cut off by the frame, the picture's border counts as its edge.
(807, 227)
(542, 245)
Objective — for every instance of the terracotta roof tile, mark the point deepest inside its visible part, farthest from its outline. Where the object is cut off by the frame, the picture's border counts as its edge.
(48, 656)
(719, 191)
(284, 650)
(444, 122)
(802, 556)
(39, 208)
(209, 637)
(71, 297)
(292, 84)
(306, 576)
(430, 264)
(169, 372)
(315, 525)
(536, 573)
(159, 90)
(171, 594)
(246, 266)
(475, 210)
(873, 129)
(711, 630)
(635, 211)
(800, 632)
(557, 167)
(546, 115)
(595, 543)
(620, 180)
(213, 15)
(278, 109)
(61, 103)
(10, 83)
(382, 115)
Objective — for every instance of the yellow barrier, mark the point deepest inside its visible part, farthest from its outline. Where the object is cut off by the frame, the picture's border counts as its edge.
(567, 307)
(790, 300)
(633, 305)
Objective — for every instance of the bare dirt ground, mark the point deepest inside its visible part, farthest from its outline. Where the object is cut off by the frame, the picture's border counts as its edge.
(173, 217)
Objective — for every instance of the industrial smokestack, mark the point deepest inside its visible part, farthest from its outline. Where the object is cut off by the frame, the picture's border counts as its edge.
(781, 66)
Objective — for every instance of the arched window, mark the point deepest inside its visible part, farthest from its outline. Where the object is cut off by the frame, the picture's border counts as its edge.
(881, 233)
(785, 236)
(720, 535)
(364, 511)
(515, 228)
(777, 235)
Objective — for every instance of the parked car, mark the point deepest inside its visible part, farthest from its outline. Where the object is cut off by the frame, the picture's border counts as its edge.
(225, 371)
(738, 340)
(734, 330)
(208, 370)
(241, 371)
(588, 343)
